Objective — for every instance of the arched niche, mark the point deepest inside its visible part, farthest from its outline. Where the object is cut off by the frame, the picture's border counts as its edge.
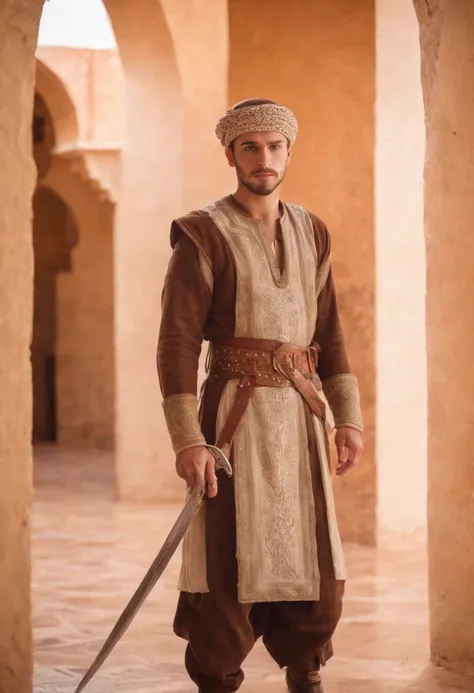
(54, 93)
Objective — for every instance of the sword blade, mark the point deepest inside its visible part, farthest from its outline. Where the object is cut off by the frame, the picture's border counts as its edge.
(154, 572)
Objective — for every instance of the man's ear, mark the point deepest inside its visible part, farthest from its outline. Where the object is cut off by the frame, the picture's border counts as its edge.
(290, 152)
(230, 157)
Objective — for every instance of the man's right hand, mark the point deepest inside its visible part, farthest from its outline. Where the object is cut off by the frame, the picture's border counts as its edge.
(197, 467)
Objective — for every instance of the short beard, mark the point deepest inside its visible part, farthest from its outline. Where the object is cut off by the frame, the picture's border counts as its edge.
(255, 188)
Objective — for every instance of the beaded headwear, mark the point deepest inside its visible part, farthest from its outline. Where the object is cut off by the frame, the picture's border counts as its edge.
(266, 117)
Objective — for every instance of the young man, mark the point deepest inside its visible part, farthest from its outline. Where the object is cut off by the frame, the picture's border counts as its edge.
(252, 276)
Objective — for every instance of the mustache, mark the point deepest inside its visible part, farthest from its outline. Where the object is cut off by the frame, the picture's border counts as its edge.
(269, 171)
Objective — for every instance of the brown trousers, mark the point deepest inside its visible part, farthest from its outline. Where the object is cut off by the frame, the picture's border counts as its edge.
(221, 632)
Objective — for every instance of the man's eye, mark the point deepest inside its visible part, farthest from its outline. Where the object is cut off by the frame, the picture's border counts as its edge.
(274, 147)
(250, 148)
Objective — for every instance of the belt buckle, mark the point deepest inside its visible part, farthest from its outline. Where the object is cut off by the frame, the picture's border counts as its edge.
(282, 359)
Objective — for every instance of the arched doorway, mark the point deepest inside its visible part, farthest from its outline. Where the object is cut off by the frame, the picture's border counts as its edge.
(54, 236)
(72, 348)
(18, 24)
(174, 92)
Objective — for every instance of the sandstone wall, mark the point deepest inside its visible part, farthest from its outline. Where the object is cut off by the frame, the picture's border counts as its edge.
(53, 239)
(447, 31)
(85, 380)
(93, 81)
(400, 277)
(170, 163)
(319, 59)
(18, 32)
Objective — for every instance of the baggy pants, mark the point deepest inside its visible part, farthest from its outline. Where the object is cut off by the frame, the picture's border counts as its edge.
(221, 631)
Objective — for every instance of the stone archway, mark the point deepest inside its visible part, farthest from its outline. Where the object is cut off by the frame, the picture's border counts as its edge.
(151, 156)
(54, 236)
(85, 309)
(19, 24)
(54, 93)
(447, 52)
(79, 324)
(174, 92)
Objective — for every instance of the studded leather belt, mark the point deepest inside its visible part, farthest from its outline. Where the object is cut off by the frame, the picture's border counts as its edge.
(263, 363)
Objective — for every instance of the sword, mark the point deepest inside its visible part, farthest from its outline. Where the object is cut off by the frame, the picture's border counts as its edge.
(155, 571)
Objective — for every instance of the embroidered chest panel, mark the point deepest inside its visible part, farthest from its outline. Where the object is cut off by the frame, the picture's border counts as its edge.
(271, 305)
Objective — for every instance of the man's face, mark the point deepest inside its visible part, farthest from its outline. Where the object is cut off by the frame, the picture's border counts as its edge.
(260, 160)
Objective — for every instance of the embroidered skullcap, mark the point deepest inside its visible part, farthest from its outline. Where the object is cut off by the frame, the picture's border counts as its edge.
(256, 115)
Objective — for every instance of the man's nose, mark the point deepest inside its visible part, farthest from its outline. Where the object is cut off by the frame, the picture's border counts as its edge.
(265, 158)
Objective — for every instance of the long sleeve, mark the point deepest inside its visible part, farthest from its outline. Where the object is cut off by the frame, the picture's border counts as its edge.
(186, 300)
(339, 384)
(333, 358)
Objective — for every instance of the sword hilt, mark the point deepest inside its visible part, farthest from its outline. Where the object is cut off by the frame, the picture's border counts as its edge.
(222, 462)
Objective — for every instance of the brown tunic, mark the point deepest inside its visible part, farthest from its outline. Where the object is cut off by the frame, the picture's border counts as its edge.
(191, 313)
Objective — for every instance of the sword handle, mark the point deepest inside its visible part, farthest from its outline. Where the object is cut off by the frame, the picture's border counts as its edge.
(222, 462)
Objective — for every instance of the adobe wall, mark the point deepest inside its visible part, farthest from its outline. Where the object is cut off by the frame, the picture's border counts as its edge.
(171, 86)
(17, 57)
(318, 58)
(400, 278)
(85, 318)
(446, 31)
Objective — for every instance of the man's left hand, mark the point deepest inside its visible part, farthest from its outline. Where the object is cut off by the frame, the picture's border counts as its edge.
(349, 449)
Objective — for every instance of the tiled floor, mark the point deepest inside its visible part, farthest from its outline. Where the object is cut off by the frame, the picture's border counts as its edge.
(90, 553)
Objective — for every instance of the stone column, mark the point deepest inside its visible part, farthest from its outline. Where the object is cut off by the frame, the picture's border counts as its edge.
(400, 263)
(151, 197)
(204, 77)
(319, 59)
(172, 163)
(447, 42)
(18, 34)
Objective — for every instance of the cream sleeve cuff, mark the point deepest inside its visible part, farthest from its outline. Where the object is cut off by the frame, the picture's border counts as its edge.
(181, 414)
(342, 394)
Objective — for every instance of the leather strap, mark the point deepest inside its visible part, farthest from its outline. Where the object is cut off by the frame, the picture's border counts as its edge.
(236, 358)
(283, 363)
(244, 392)
(276, 364)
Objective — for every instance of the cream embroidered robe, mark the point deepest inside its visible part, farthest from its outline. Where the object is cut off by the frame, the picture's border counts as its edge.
(275, 515)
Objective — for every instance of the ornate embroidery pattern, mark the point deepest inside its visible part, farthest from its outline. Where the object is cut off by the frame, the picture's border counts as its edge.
(182, 420)
(276, 524)
(271, 463)
(265, 117)
(342, 393)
